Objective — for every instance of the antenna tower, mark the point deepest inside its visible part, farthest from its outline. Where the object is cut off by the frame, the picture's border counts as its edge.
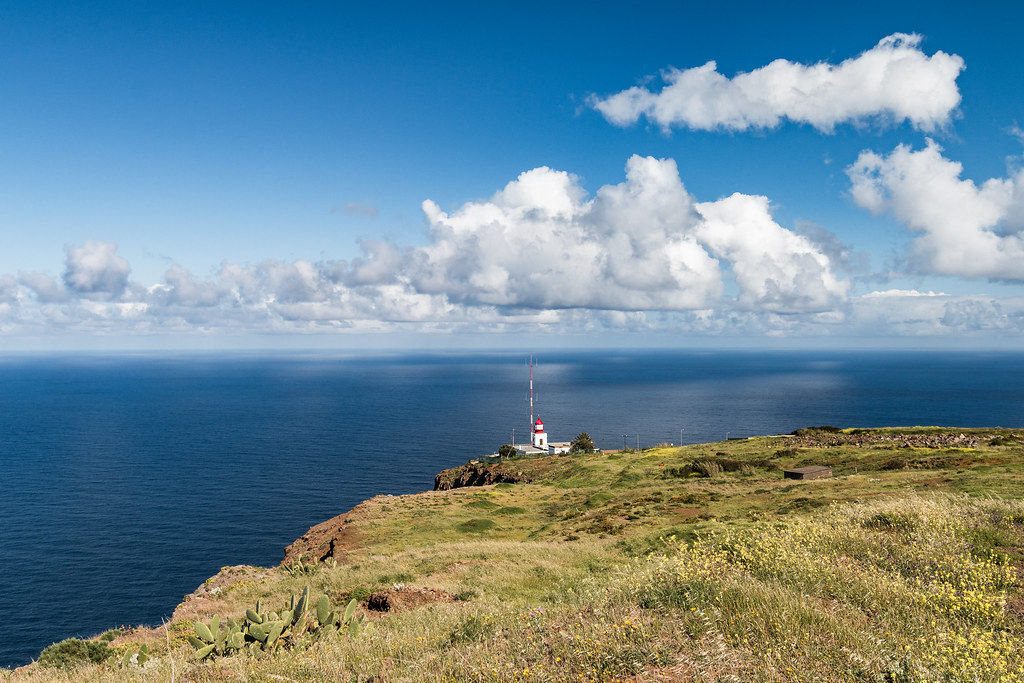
(531, 394)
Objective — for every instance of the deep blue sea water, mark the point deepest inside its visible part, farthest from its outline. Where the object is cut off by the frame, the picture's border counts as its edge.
(127, 481)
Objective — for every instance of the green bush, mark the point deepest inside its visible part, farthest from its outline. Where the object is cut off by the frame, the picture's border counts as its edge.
(827, 429)
(72, 652)
(598, 499)
(708, 468)
(466, 594)
(359, 593)
(712, 467)
(483, 504)
(398, 577)
(469, 629)
(475, 525)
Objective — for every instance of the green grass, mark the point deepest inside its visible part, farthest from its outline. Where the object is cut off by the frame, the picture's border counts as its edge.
(685, 563)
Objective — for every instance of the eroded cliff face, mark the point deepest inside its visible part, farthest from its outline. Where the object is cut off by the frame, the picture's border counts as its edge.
(335, 538)
(480, 474)
(328, 540)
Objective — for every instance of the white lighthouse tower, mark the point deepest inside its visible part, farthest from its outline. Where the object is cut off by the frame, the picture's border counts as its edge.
(540, 437)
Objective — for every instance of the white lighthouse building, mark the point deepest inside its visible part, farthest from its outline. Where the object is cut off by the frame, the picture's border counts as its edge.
(540, 437)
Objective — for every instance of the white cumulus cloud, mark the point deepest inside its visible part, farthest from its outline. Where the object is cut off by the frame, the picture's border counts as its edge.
(95, 268)
(894, 81)
(776, 269)
(10, 293)
(46, 289)
(963, 228)
(541, 242)
(541, 253)
(643, 244)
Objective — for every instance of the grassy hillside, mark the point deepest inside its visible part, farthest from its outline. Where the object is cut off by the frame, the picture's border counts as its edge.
(667, 564)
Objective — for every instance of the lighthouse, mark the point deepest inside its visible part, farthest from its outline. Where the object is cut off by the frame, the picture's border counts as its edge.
(539, 444)
(540, 437)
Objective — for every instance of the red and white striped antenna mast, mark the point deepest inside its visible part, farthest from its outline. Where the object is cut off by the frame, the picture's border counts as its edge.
(531, 394)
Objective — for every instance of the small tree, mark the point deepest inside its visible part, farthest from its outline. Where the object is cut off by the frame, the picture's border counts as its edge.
(507, 450)
(582, 444)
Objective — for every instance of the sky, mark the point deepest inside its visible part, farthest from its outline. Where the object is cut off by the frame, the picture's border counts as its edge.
(499, 174)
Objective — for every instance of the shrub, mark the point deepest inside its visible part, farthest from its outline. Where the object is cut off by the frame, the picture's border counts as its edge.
(892, 521)
(72, 652)
(483, 504)
(507, 451)
(708, 468)
(471, 628)
(712, 467)
(895, 463)
(693, 498)
(801, 503)
(826, 429)
(396, 578)
(475, 525)
(361, 593)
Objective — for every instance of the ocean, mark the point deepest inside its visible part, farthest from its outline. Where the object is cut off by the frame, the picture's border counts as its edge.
(126, 481)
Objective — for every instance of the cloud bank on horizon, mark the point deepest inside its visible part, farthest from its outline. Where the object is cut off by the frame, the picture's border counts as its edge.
(894, 81)
(537, 247)
(539, 254)
(543, 254)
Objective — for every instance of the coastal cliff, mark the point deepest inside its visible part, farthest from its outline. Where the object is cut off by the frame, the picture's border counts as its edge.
(482, 474)
(335, 538)
(669, 563)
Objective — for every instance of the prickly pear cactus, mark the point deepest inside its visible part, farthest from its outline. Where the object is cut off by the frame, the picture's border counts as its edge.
(138, 656)
(268, 630)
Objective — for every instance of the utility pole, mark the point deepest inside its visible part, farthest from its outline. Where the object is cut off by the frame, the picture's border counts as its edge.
(624, 441)
(680, 436)
(638, 442)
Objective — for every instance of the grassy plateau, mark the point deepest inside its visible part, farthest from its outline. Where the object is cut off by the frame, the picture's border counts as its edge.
(692, 563)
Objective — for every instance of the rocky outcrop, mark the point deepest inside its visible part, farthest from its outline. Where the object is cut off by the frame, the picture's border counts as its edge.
(479, 474)
(329, 540)
(862, 438)
(203, 602)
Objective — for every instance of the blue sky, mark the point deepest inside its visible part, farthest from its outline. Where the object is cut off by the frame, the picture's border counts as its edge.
(197, 135)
